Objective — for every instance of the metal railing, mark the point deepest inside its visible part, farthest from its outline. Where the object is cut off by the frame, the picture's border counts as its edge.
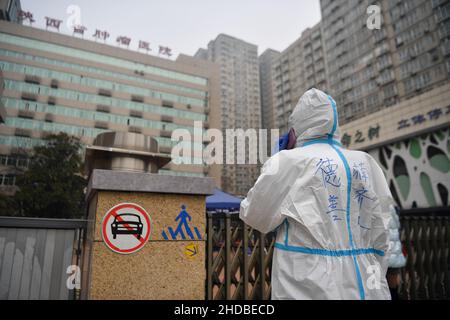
(426, 238)
(239, 258)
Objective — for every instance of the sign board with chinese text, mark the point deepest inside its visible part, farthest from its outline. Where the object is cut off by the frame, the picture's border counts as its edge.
(426, 111)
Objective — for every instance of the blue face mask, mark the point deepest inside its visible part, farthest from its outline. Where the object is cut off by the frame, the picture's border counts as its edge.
(287, 142)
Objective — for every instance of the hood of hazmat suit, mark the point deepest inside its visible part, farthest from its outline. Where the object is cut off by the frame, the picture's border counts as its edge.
(329, 208)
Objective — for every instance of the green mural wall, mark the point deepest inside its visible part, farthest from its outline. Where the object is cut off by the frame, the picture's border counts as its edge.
(418, 169)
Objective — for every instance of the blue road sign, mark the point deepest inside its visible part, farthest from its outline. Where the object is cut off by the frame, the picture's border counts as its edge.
(183, 219)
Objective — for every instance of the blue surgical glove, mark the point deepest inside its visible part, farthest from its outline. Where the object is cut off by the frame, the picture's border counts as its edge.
(286, 142)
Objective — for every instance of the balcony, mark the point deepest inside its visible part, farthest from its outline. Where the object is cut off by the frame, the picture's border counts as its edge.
(32, 79)
(134, 129)
(168, 119)
(165, 134)
(19, 132)
(104, 93)
(48, 117)
(136, 98)
(28, 96)
(446, 48)
(101, 125)
(136, 114)
(103, 108)
(167, 104)
(26, 114)
(54, 84)
(165, 150)
(51, 101)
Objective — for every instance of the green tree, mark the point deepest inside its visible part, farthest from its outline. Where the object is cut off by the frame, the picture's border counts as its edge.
(53, 186)
(7, 206)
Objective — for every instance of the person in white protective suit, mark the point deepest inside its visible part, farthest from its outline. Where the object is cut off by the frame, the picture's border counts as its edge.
(330, 209)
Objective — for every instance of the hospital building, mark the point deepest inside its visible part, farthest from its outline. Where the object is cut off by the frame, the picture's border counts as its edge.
(58, 83)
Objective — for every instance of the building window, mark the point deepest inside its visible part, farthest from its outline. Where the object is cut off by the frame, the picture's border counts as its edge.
(7, 180)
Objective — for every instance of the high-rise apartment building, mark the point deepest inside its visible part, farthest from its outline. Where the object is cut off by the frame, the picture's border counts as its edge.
(266, 61)
(298, 68)
(374, 69)
(10, 10)
(53, 83)
(392, 90)
(240, 106)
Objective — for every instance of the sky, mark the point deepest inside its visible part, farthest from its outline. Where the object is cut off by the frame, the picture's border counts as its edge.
(184, 25)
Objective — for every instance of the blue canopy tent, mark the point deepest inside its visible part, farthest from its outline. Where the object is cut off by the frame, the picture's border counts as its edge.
(221, 201)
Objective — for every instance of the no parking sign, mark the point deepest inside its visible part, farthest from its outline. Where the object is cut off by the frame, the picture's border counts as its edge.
(126, 228)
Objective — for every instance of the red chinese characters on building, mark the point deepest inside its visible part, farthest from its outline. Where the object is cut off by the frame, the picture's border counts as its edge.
(98, 34)
(144, 45)
(26, 16)
(165, 51)
(102, 35)
(52, 23)
(121, 40)
(79, 30)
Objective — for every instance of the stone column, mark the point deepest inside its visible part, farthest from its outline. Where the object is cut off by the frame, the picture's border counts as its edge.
(171, 265)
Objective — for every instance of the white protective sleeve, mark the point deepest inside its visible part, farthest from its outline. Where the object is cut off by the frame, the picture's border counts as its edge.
(382, 216)
(261, 208)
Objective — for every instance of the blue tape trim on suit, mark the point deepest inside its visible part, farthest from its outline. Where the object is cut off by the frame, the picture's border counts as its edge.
(350, 236)
(330, 253)
(333, 105)
(349, 190)
(322, 141)
(286, 236)
(333, 143)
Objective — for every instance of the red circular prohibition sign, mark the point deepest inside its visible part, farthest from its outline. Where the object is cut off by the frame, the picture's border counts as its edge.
(113, 212)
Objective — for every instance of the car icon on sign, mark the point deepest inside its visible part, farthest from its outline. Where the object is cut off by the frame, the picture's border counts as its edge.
(127, 223)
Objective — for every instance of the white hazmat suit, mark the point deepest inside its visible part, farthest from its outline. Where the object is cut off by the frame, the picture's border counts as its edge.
(330, 209)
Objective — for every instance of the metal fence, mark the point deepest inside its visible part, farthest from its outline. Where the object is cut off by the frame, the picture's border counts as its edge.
(35, 255)
(426, 238)
(239, 258)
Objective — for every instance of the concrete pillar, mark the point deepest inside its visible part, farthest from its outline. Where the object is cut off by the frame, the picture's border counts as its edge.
(167, 266)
